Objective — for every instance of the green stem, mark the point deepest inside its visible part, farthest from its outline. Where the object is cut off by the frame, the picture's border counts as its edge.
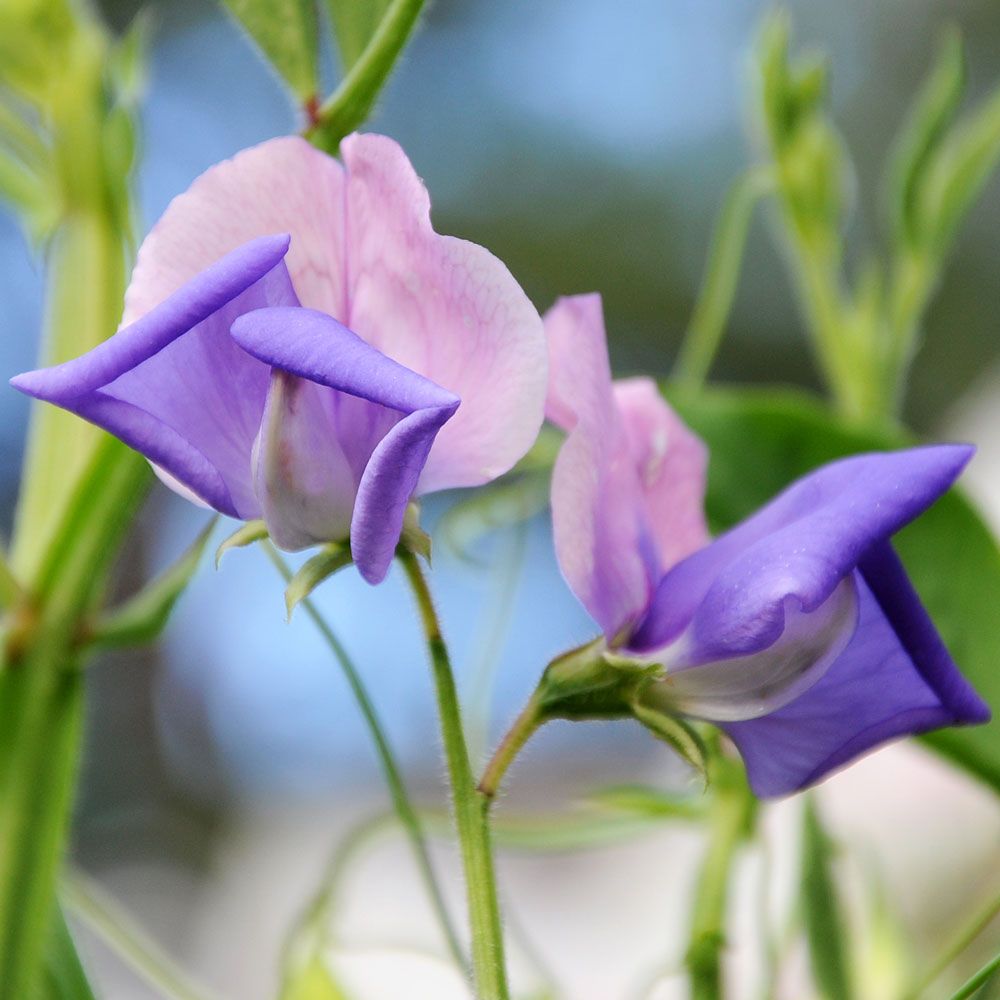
(722, 272)
(523, 728)
(351, 103)
(41, 703)
(981, 978)
(470, 806)
(397, 789)
(956, 946)
(729, 817)
(86, 901)
(501, 606)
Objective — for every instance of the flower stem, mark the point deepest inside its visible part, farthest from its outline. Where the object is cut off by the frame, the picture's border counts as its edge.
(471, 806)
(397, 789)
(731, 809)
(524, 727)
(350, 104)
(722, 272)
(982, 919)
(104, 918)
(981, 978)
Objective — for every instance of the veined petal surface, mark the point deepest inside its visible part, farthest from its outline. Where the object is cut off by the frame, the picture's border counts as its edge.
(628, 483)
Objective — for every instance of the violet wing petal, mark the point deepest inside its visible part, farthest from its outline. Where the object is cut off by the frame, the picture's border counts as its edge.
(175, 387)
(388, 449)
(894, 679)
(729, 598)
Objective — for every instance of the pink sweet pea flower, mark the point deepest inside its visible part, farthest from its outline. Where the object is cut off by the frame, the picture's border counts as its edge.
(318, 379)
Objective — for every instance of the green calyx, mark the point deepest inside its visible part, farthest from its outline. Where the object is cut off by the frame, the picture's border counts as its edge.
(595, 682)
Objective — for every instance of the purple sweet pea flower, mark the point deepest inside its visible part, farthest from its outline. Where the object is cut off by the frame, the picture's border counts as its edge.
(798, 631)
(314, 379)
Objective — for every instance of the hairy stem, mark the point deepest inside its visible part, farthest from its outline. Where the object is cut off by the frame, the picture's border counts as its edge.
(401, 801)
(470, 806)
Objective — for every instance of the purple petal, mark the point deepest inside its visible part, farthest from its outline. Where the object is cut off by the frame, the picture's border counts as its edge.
(175, 387)
(729, 598)
(359, 423)
(895, 678)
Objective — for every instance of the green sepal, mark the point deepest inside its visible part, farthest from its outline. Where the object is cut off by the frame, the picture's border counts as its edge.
(679, 734)
(143, 617)
(252, 531)
(329, 560)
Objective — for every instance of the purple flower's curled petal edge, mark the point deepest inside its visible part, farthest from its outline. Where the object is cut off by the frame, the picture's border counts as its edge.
(381, 420)
(894, 679)
(175, 387)
(445, 308)
(628, 483)
(729, 598)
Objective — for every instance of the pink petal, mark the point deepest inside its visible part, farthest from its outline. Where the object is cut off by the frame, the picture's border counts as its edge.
(628, 484)
(447, 309)
(281, 186)
(672, 463)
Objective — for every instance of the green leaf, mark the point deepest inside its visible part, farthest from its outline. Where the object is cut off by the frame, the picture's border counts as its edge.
(286, 32)
(143, 617)
(252, 531)
(329, 560)
(929, 117)
(63, 975)
(821, 910)
(961, 168)
(644, 800)
(762, 440)
(354, 22)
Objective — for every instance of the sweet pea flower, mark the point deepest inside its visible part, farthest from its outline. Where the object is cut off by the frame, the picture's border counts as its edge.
(300, 345)
(797, 631)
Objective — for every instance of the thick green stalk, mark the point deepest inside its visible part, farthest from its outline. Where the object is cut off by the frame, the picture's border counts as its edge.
(402, 804)
(471, 807)
(86, 270)
(41, 704)
(730, 815)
